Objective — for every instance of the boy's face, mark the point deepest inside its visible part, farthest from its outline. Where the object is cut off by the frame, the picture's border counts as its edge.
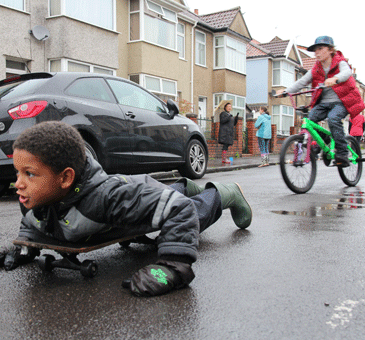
(37, 183)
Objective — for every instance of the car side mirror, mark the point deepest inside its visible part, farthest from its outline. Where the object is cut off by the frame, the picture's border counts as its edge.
(172, 107)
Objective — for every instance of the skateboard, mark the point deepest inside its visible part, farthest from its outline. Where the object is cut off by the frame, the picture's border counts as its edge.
(69, 252)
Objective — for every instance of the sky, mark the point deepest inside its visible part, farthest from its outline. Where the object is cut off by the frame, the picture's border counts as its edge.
(303, 21)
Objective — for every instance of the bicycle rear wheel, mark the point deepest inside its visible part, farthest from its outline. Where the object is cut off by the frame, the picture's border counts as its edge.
(298, 172)
(352, 174)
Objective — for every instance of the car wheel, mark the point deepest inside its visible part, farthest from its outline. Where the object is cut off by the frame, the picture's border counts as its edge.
(196, 161)
(92, 151)
(3, 187)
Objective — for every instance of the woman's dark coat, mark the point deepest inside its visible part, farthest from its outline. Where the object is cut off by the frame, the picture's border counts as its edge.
(226, 128)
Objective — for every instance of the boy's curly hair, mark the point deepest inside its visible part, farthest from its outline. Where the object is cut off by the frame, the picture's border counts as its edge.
(57, 144)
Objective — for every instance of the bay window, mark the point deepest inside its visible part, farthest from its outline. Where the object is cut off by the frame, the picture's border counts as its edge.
(230, 54)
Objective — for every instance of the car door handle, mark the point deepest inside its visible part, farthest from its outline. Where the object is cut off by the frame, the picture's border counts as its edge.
(130, 114)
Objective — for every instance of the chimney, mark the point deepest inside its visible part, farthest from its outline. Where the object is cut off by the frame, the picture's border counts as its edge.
(196, 11)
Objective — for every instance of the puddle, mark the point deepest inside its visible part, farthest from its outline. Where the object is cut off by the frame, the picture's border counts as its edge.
(324, 210)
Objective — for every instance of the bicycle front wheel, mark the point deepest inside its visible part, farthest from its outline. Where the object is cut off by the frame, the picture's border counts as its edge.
(352, 174)
(298, 168)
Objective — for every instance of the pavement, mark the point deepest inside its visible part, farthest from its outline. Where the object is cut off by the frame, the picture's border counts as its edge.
(215, 165)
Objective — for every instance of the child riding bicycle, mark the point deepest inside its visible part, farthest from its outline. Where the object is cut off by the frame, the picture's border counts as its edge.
(338, 98)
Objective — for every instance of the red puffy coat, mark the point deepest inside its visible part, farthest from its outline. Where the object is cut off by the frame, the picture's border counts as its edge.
(346, 91)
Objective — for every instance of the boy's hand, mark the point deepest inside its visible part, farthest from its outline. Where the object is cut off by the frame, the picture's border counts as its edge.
(11, 257)
(160, 278)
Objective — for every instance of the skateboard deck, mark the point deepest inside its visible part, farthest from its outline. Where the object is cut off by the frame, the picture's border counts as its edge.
(77, 248)
(69, 252)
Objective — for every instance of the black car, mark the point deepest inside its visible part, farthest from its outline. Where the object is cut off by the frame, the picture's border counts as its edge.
(126, 128)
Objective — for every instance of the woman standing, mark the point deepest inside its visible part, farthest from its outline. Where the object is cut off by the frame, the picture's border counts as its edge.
(263, 124)
(226, 129)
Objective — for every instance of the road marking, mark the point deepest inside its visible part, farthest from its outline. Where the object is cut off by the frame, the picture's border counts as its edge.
(343, 313)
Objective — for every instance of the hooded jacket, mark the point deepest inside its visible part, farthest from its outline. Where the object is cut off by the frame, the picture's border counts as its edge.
(346, 91)
(263, 124)
(134, 205)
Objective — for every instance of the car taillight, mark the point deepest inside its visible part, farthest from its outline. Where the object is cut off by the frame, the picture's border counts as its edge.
(27, 110)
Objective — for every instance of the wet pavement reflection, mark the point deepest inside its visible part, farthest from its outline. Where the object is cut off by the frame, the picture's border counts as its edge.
(350, 198)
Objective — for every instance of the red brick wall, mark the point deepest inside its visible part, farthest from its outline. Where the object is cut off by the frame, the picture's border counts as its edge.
(215, 149)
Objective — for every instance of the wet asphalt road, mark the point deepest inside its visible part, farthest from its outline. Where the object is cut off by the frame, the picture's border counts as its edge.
(296, 273)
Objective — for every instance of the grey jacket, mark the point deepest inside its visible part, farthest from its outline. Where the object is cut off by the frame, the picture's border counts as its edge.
(134, 204)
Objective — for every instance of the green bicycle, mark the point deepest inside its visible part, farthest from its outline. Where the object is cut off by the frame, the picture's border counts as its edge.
(298, 154)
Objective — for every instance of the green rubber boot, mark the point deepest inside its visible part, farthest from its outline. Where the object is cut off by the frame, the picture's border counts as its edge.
(191, 188)
(232, 198)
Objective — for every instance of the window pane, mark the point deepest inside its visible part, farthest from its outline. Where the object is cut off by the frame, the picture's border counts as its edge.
(219, 57)
(170, 15)
(276, 64)
(17, 65)
(153, 84)
(160, 32)
(154, 7)
(96, 12)
(169, 87)
(181, 28)
(240, 102)
(130, 95)
(55, 65)
(102, 71)
(93, 88)
(217, 99)
(134, 78)
(75, 67)
(18, 4)
(134, 5)
(180, 46)
(134, 26)
(55, 7)
(276, 77)
(200, 37)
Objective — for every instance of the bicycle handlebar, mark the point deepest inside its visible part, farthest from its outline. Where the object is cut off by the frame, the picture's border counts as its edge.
(285, 94)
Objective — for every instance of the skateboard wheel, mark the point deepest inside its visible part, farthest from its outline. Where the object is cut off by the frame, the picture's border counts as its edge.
(45, 262)
(88, 268)
(125, 244)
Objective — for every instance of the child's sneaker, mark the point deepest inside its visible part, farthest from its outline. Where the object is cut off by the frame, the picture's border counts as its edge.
(342, 161)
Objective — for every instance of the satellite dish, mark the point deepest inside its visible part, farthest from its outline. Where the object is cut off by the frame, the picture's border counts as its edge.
(40, 33)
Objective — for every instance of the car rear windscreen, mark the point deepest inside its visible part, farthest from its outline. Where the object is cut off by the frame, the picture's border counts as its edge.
(21, 88)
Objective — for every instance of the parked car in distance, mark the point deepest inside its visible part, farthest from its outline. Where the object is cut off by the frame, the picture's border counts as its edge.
(126, 128)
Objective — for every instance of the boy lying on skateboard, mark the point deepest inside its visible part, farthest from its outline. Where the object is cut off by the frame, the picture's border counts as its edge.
(65, 194)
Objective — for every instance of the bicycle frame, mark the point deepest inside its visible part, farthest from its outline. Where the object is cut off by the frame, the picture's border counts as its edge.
(312, 128)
